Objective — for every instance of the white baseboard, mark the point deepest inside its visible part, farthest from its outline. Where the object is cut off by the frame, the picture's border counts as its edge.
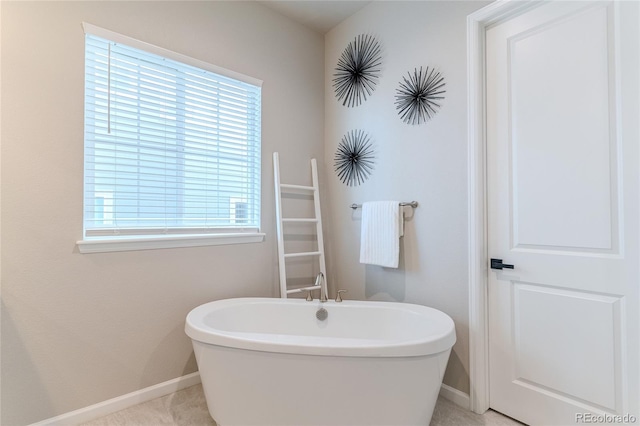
(454, 395)
(121, 402)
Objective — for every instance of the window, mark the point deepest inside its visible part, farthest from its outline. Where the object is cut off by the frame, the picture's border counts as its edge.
(172, 145)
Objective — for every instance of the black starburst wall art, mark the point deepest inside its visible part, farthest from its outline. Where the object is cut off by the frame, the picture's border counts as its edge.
(354, 158)
(356, 74)
(418, 97)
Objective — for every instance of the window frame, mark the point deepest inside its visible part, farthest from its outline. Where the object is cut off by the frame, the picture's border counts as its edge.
(112, 241)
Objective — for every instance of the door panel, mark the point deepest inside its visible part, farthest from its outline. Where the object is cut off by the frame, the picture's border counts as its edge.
(561, 161)
(554, 350)
(562, 201)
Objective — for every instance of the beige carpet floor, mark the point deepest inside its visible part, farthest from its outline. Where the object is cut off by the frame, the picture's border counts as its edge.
(188, 408)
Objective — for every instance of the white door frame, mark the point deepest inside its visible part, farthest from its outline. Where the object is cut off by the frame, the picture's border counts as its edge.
(477, 24)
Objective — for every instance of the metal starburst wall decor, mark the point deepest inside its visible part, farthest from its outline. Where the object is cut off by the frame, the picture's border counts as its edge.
(354, 158)
(356, 74)
(418, 97)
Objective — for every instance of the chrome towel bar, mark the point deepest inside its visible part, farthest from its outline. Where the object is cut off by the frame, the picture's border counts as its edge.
(412, 204)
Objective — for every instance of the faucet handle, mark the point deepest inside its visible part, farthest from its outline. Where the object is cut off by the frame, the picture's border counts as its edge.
(309, 297)
(339, 296)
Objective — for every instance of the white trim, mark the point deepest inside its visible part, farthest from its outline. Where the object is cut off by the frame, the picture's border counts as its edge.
(165, 241)
(454, 395)
(478, 347)
(0, 226)
(122, 402)
(165, 53)
(477, 24)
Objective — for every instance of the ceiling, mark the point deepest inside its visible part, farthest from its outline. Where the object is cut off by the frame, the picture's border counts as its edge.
(318, 15)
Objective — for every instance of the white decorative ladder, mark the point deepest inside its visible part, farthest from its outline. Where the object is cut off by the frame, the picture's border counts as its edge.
(280, 222)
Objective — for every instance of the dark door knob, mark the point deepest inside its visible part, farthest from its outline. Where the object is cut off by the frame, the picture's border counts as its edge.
(497, 264)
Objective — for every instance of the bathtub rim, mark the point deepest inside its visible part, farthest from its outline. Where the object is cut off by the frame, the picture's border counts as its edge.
(323, 346)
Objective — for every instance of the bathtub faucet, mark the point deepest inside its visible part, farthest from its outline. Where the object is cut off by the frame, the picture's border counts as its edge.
(319, 281)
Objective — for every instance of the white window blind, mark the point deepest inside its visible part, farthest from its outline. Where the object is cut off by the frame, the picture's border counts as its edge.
(170, 148)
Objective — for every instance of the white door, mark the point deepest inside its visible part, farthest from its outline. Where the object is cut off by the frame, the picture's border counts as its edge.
(562, 178)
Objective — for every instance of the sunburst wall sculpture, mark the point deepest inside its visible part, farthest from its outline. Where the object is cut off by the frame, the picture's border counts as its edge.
(418, 97)
(353, 160)
(356, 74)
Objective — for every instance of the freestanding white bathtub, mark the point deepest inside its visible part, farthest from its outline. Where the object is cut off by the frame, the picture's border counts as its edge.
(272, 362)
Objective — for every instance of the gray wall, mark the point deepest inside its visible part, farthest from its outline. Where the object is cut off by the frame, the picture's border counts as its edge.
(426, 163)
(80, 329)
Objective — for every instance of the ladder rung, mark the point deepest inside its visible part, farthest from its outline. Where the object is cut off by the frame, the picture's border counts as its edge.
(308, 220)
(301, 254)
(300, 290)
(306, 188)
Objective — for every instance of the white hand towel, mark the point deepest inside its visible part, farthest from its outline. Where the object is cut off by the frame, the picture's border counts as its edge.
(380, 237)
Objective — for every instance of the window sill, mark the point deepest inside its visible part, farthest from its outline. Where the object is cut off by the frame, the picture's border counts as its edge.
(102, 245)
